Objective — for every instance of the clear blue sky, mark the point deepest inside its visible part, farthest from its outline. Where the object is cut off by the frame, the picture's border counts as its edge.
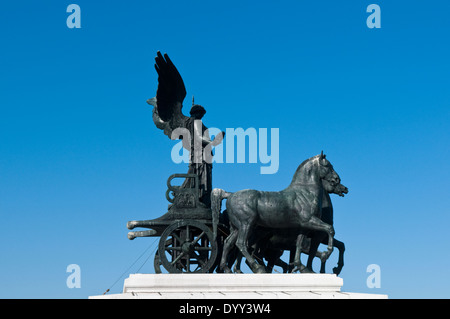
(80, 156)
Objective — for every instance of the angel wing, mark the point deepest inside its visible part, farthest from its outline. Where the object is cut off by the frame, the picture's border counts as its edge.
(167, 114)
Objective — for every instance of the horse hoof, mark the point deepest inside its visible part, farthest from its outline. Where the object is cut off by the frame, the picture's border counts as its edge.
(298, 268)
(260, 269)
(306, 270)
(336, 271)
(226, 270)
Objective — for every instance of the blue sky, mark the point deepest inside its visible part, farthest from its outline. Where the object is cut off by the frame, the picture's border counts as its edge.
(80, 156)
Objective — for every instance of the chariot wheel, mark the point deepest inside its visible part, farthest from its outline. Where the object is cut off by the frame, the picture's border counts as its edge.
(187, 247)
(157, 263)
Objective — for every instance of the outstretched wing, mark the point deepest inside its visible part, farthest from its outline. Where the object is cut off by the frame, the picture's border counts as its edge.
(167, 114)
(171, 90)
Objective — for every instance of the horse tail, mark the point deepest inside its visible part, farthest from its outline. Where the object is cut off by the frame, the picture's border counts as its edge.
(217, 195)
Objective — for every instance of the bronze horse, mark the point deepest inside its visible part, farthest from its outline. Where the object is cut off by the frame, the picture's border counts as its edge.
(299, 206)
(270, 244)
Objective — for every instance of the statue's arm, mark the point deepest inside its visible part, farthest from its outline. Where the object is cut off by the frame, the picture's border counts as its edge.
(156, 118)
(198, 133)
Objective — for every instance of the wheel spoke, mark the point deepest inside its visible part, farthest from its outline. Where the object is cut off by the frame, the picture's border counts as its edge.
(199, 237)
(176, 237)
(178, 258)
(200, 261)
(188, 264)
(198, 248)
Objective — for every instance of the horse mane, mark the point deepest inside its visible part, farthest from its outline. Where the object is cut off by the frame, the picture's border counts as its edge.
(300, 169)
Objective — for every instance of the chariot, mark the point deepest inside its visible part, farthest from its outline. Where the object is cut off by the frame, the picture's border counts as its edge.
(193, 231)
(191, 239)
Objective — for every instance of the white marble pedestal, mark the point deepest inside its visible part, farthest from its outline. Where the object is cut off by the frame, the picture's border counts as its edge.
(235, 286)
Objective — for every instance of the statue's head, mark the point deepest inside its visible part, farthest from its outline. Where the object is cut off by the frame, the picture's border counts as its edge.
(197, 111)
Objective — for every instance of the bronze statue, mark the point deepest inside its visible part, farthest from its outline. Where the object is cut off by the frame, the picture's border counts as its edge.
(196, 236)
(270, 244)
(298, 207)
(168, 116)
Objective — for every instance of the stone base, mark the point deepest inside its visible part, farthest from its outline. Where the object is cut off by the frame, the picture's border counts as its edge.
(235, 286)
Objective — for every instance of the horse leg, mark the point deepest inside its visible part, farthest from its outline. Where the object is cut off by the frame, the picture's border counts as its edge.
(314, 244)
(270, 265)
(316, 239)
(237, 265)
(272, 256)
(322, 267)
(323, 259)
(228, 244)
(276, 260)
(341, 247)
(291, 260)
(298, 250)
(315, 223)
(241, 243)
(259, 255)
(283, 265)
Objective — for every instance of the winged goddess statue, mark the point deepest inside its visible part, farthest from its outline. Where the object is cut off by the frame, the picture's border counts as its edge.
(168, 116)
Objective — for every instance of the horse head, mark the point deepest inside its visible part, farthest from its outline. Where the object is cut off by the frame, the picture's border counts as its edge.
(330, 179)
(315, 170)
